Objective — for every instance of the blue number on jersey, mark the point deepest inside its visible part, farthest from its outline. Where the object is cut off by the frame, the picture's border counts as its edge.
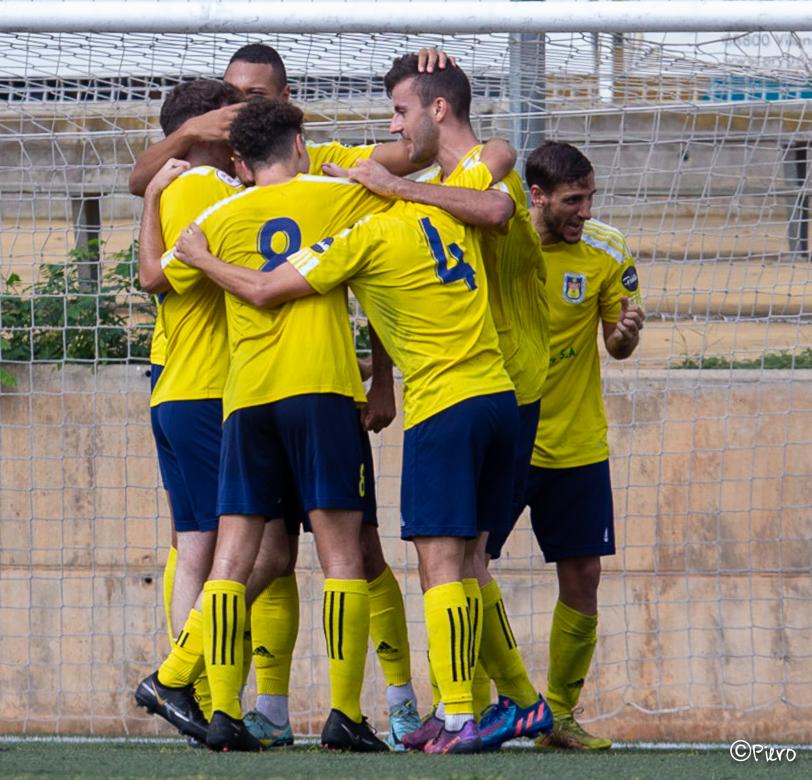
(292, 233)
(461, 270)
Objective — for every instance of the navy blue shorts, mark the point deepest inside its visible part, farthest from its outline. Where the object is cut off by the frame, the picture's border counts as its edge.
(571, 511)
(307, 446)
(187, 434)
(458, 468)
(155, 372)
(528, 428)
(370, 516)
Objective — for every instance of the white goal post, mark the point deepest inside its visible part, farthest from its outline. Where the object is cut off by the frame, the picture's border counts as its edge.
(698, 119)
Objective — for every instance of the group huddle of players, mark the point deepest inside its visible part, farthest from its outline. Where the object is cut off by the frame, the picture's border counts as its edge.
(261, 420)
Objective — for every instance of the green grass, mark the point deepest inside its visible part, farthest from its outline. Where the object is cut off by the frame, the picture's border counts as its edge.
(769, 360)
(174, 761)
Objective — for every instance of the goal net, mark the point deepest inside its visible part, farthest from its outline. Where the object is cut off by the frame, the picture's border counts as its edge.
(701, 145)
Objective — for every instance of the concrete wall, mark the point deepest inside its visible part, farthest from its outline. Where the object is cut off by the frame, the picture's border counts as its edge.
(705, 612)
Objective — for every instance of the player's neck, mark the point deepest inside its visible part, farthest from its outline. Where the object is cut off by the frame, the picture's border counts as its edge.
(453, 147)
(278, 173)
(198, 156)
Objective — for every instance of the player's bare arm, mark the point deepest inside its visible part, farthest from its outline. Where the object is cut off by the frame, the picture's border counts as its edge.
(150, 238)
(380, 409)
(490, 208)
(211, 126)
(259, 288)
(622, 337)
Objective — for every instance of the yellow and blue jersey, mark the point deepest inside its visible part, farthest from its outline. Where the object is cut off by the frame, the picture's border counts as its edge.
(304, 346)
(192, 312)
(419, 276)
(516, 273)
(584, 286)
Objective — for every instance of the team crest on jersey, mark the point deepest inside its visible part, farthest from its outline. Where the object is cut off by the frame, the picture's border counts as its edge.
(226, 179)
(574, 287)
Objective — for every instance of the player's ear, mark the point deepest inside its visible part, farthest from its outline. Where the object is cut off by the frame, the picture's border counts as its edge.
(285, 93)
(439, 109)
(537, 195)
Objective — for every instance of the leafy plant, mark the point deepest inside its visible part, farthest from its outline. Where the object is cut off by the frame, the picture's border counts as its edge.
(769, 360)
(64, 316)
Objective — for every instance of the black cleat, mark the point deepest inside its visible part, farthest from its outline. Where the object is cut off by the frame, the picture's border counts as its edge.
(228, 735)
(175, 705)
(343, 733)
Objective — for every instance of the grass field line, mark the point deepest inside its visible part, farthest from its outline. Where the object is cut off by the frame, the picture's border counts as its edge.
(11, 739)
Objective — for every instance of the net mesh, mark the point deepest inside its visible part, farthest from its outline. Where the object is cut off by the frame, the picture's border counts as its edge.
(701, 148)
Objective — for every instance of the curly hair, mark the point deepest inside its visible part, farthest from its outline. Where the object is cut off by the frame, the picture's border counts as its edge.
(263, 131)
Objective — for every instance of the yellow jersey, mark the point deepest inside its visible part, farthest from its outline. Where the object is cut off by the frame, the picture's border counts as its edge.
(192, 313)
(157, 347)
(517, 277)
(304, 346)
(335, 152)
(419, 276)
(585, 284)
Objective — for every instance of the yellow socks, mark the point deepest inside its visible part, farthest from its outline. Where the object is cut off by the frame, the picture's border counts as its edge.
(500, 653)
(448, 626)
(482, 688)
(224, 628)
(473, 597)
(274, 628)
(387, 627)
(346, 631)
(572, 641)
(168, 584)
(185, 663)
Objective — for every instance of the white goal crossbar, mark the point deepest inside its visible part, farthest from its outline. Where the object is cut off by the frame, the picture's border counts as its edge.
(417, 17)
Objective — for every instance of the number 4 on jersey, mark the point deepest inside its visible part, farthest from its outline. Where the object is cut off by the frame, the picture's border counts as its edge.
(460, 270)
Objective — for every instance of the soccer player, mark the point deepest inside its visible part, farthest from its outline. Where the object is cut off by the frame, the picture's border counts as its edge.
(258, 70)
(290, 418)
(518, 302)
(418, 274)
(592, 284)
(186, 405)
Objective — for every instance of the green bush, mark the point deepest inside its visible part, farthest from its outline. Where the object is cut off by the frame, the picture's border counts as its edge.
(62, 317)
(769, 360)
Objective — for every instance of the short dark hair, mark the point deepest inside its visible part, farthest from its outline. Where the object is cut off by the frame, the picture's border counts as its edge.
(262, 54)
(193, 98)
(263, 131)
(555, 163)
(450, 83)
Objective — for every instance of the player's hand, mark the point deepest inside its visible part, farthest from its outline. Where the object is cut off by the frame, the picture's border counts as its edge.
(630, 322)
(372, 175)
(213, 125)
(429, 58)
(332, 169)
(380, 409)
(191, 245)
(167, 173)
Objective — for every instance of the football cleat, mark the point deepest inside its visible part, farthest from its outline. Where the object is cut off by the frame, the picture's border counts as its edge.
(267, 732)
(568, 733)
(466, 740)
(403, 719)
(428, 730)
(507, 720)
(178, 706)
(227, 734)
(343, 733)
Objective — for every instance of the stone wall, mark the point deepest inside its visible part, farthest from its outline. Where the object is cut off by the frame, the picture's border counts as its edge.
(705, 612)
